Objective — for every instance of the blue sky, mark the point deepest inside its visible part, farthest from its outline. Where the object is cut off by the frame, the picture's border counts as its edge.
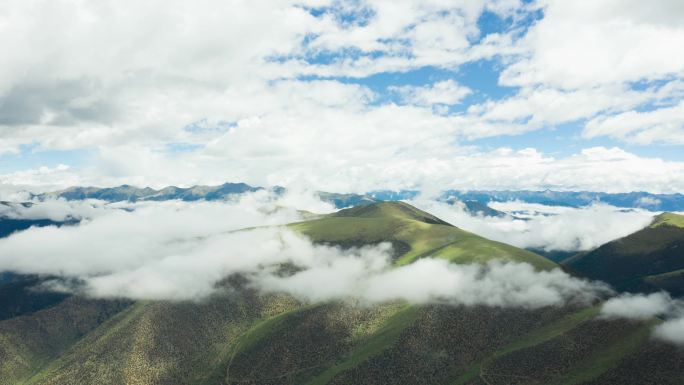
(346, 95)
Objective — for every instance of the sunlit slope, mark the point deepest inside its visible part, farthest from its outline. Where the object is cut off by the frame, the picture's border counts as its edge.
(650, 258)
(413, 234)
(159, 342)
(30, 342)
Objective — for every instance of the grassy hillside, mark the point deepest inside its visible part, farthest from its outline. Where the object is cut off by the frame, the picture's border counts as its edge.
(413, 233)
(649, 259)
(241, 337)
(668, 219)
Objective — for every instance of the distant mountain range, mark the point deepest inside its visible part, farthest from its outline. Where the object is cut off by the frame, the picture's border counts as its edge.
(134, 194)
(476, 201)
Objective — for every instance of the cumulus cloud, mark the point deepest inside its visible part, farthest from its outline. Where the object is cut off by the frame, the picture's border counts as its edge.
(544, 227)
(444, 92)
(664, 124)
(267, 93)
(563, 49)
(164, 65)
(385, 154)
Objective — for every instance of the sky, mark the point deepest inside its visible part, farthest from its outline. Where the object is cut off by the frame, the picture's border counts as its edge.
(345, 96)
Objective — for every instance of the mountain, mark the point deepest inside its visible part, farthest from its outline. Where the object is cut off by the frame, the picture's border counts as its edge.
(475, 201)
(341, 201)
(413, 233)
(11, 220)
(241, 337)
(18, 295)
(649, 259)
(133, 194)
(653, 202)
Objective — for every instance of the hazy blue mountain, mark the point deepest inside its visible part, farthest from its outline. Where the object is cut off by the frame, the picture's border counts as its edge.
(346, 200)
(134, 194)
(476, 201)
(655, 202)
(9, 224)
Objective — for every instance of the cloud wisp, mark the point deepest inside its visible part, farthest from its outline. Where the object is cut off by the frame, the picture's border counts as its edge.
(644, 306)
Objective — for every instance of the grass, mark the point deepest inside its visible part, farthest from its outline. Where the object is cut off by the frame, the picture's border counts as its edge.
(543, 334)
(380, 340)
(670, 274)
(669, 219)
(104, 332)
(607, 358)
(259, 330)
(424, 235)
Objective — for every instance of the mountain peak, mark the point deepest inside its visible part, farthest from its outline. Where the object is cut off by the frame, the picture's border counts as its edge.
(668, 219)
(393, 209)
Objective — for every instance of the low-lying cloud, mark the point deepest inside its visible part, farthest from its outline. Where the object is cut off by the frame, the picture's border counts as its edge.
(184, 251)
(639, 306)
(58, 210)
(373, 280)
(544, 227)
(180, 251)
(645, 306)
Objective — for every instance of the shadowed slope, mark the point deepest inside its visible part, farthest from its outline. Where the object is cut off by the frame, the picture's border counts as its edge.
(649, 259)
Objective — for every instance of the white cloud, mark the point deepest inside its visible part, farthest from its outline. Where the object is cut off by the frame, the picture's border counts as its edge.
(545, 227)
(642, 306)
(159, 249)
(638, 306)
(494, 284)
(236, 71)
(56, 210)
(153, 68)
(541, 106)
(671, 331)
(180, 250)
(663, 124)
(444, 92)
(327, 157)
(580, 44)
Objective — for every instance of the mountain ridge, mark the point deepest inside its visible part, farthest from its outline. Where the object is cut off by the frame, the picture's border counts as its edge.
(634, 199)
(648, 259)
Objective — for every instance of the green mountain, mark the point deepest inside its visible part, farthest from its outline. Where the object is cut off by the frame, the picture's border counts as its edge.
(649, 259)
(413, 233)
(242, 337)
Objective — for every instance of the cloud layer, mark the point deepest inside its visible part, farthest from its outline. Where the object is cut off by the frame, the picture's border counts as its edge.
(341, 95)
(177, 250)
(642, 306)
(544, 227)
